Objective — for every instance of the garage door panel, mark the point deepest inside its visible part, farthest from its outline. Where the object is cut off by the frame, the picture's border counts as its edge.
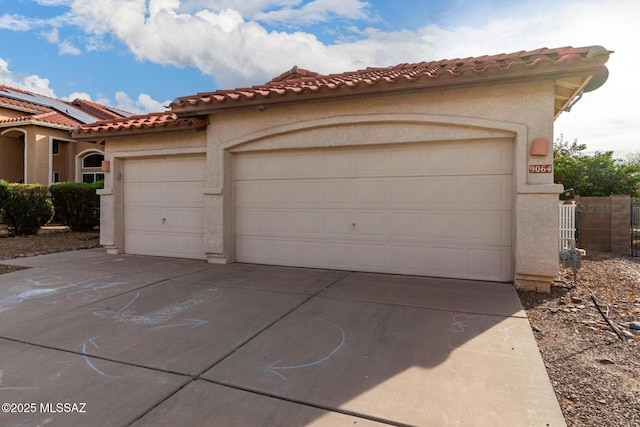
(154, 170)
(307, 194)
(370, 225)
(371, 193)
(249, 221)
(447, 227)
(485, 262)
(306, 165)
(337, 223)
(406, 161)
(370, 257)
(398, 209)
(249, 193)
(447, 261)
(408, 193)
(337, 164)
(276, 193)
(278, 167)
(370, 163)
(307, 223)
(409, 259)
(490, 228)
(339, 255)
(307, 253)
(337, 193)
(408, 227)
(489, 192)
(251, 167)
(446, 193)
(277, 222)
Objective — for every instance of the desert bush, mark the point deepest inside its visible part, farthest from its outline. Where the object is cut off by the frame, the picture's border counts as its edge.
(27, 209)
(76, 204)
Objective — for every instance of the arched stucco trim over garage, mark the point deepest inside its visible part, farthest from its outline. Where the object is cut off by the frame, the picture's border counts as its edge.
(375, 129)
(348, 131)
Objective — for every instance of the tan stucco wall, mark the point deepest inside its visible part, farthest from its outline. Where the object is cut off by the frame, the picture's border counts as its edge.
(40, 163)
(8, 113)
(12, 158)
(517, 112)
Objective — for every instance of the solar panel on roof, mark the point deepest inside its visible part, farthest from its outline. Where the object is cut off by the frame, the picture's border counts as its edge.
(60, 106)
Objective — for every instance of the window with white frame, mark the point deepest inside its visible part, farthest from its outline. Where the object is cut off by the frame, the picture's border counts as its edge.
(92, 161)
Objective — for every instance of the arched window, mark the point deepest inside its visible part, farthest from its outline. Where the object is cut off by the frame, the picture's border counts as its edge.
(92, 161)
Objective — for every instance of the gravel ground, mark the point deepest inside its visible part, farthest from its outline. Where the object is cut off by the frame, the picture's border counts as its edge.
(50, 239)
(595, 373)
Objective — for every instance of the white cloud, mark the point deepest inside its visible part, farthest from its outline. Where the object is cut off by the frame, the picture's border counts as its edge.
(52, 36)
(29, 82)
(143, 104)
(314, 12)
(222, 44)
(67, 48)
(16, 23)
(77, 95)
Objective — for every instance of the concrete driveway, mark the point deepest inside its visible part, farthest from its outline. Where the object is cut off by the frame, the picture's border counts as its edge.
(92, 339)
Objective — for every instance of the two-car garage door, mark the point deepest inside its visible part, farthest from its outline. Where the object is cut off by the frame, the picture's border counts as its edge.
(439, 209)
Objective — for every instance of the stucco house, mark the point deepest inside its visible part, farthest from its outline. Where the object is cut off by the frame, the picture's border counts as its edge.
(35, 138)
(438, 168)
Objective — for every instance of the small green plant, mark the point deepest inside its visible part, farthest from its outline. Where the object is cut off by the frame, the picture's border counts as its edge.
(77, 205)
(27, 209)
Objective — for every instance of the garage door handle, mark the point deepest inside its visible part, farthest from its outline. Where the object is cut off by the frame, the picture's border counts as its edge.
(164, 220)
(353, 226)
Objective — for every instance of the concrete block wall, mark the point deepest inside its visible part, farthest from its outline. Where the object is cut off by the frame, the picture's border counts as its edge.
(604, 223)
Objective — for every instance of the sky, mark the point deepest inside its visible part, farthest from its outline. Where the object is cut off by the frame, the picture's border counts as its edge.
(139, 55)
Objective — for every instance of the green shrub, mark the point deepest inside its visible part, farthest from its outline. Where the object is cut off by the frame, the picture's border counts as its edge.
(27, 209)
(5, 192)
(77, 205)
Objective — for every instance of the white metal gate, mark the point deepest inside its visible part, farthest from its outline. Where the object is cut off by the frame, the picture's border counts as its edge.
(567, 225)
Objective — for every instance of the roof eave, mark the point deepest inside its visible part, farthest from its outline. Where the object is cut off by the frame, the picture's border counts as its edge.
(36, 123)
(522, 75)
(93, 135)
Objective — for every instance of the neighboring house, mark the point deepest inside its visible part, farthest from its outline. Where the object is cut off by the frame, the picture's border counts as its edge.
(436, 168)
(35, 138)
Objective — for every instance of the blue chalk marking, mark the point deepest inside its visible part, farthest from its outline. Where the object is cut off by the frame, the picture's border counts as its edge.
(194, 323)
(130, 302)
(88, 361)
(272, 367)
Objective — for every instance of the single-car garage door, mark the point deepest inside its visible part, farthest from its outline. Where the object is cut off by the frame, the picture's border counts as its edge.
(163, 206)
(437, 209)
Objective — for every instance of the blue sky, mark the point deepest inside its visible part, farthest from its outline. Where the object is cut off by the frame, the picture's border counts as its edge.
(141, 54)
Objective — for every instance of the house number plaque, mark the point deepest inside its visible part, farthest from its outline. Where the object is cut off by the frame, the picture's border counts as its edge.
(540, 168)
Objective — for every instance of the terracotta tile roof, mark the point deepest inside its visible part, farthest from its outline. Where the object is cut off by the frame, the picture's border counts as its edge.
(101, 111)
(149, 123)
(46, 111)
(302, 84)
(48, 118)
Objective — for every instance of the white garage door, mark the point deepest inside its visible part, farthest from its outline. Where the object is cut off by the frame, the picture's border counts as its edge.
(163, 206)
(432, 209)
